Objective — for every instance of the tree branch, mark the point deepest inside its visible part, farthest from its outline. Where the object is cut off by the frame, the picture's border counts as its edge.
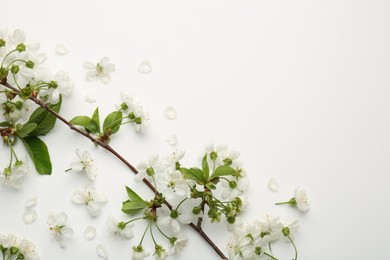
(106, 146)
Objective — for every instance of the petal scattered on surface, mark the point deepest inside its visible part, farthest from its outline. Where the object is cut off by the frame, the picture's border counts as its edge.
(31, 202)
(170, 113)
(273, 185)
(61, 49)
(89, 233)
(172, 140)
(145, 67)
(102, 251)
(30, 216)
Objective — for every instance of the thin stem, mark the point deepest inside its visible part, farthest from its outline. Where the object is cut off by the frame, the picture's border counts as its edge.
(151, 234)
(133, 220)
(6, 56)
(281, 203)
(162, 233)
(143, 236)
(295, 248)
(122, 159)
(200, 219)
(181, 202)
(270, 256)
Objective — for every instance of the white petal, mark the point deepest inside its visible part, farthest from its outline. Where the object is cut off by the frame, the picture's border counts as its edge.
(29, 216)
(170, 113)
(89, 233)
(94, 208)
(89, 65)
(90, 97)
(172, 140)
(61, 49)
(78, 197)
(105, 79)
(273, 185)
(67, 232)
(30, 202)
(144, 67)
(102, 251)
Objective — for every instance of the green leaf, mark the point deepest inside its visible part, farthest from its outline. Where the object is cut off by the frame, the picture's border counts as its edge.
(132, 207)
(5, 124)
(134, 204)
(26, 129)
(95, 122)
(132, 195)
(83, 121)
(195, 174)
(205, 168)
(112, 122)
(45, 121)
(38, 152)
(223, 171)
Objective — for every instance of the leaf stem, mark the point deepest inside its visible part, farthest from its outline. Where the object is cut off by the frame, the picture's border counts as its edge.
(107, 147)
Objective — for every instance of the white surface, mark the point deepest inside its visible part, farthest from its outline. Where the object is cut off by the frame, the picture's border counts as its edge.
(300, 88)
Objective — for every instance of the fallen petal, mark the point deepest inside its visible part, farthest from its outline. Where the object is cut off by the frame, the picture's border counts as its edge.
(172, 140)
(29, 216)
(102, 251)
(89, 233)
(61, 49)
(30, 202)
(90, 97)
(145, 66)
(273, 185)
(170, 113)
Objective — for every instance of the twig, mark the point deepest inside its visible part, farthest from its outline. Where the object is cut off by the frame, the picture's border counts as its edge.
(106, 146)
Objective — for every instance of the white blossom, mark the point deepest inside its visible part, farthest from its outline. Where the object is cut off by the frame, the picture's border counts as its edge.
(119, 228)
(86, 163)
(147, 169)
(139, 253)
(15, 175)
(168, 220)
(29, 250)
(92, 199)
(100, 71)
(174, 184)
(302, 200)
(179, 245)
(58, 228)
(235, 187)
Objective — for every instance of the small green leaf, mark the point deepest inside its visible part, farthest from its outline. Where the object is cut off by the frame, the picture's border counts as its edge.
(83, 121)
(205, 168)
(5, 124)
(132, 195)
(38, 152)
(112, 122)
(95, 122)
(132, 207)
(223, 171)
(45, 121)
(134, 204)
(26, 129)
(195, 174)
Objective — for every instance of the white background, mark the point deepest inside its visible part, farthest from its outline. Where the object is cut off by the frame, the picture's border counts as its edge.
(300, 88)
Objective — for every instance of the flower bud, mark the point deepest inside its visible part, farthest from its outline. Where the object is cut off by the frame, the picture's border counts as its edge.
(21, 47)
(15, 69)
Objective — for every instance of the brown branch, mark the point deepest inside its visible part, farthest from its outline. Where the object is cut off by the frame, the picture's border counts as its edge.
(106, 146)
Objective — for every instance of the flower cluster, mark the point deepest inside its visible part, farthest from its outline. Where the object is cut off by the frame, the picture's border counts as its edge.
(253, 241)
(23, 75)
(12, 247)
(134, 112)
(187, 196)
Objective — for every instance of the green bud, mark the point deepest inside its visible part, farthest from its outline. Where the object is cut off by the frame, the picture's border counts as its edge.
(124, 106)
(174, 214)
(2, 43)
(21, 47)
(258, 250)
(232, 184)
(213, 155)
(196, 210)
(30, 64)
(19, 105)
(20, 257)
(14, 250)
(178, 166)
(228, 161)
(15, 69)
(286, 231)
(172, 240)
(131, 115)
(3, 74)
(53, 84)
(121, 225)
(263, 234)
(150, 171)
(231, 220)
(138, 120)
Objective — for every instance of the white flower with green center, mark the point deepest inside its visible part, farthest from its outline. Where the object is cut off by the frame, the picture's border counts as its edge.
(147, 169)
(92, 199)
(57, 225)
(233, 188)
(178, 244)
(302, 200)
(100, 70)
(174, 184)
(15, 175)
(60, 85)
(86, 163)
(139, 253)
(28, 250)
(117, 228)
